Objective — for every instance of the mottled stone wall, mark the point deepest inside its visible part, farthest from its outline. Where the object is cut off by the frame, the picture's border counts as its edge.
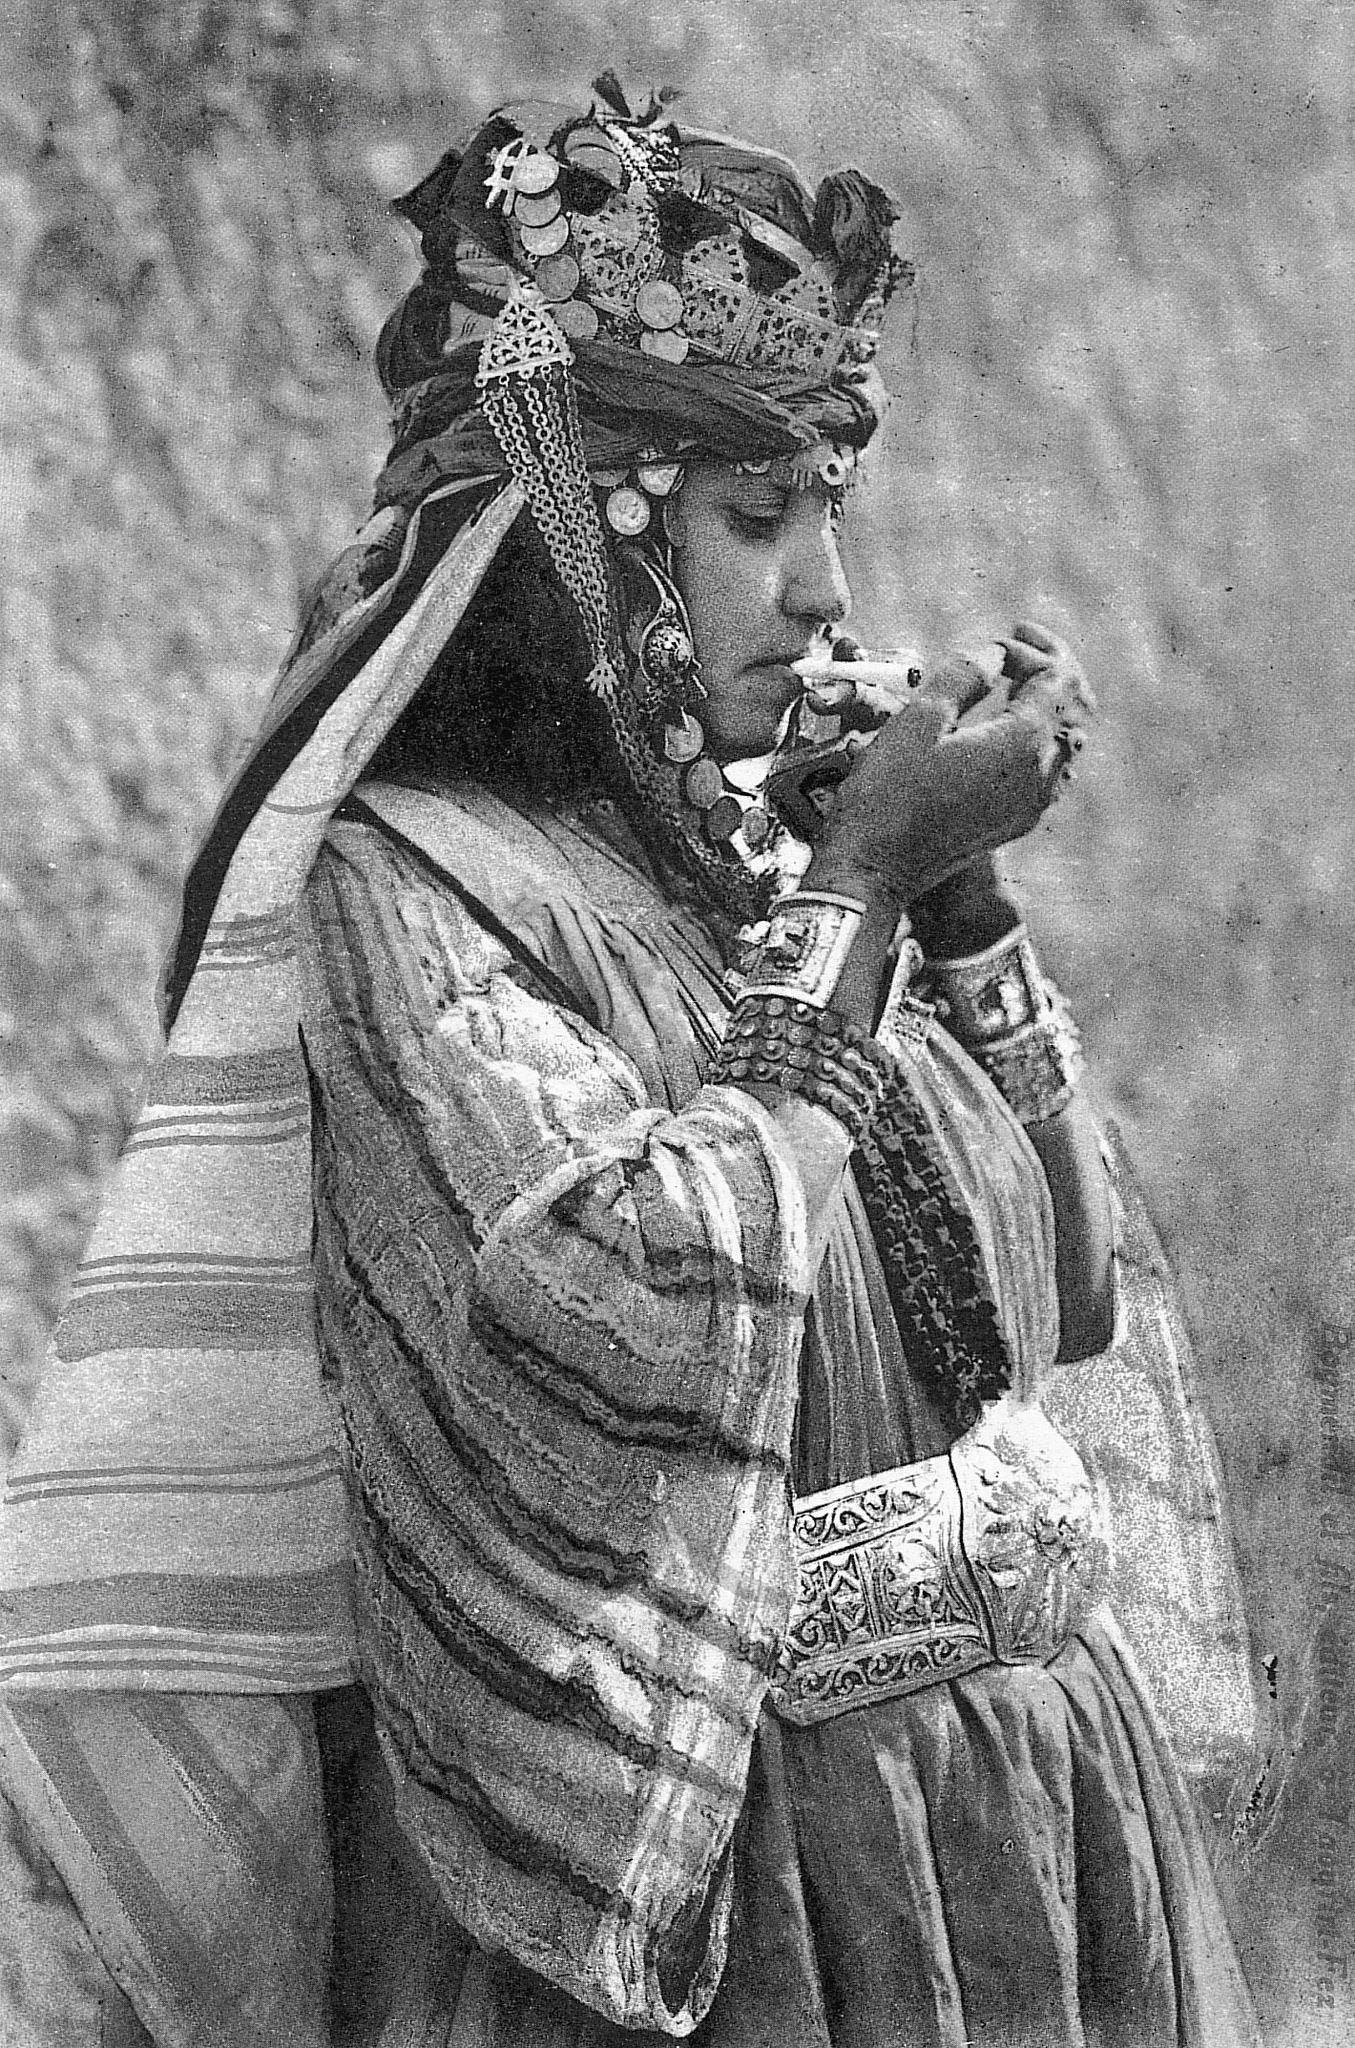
(1122, 409)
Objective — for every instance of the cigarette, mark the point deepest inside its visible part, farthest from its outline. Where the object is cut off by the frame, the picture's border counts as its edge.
(817, 672)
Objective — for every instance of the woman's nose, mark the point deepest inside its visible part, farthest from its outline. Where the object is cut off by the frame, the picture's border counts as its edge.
(815, 587)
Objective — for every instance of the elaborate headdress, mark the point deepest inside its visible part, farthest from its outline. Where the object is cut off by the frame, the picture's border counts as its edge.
(708, 298)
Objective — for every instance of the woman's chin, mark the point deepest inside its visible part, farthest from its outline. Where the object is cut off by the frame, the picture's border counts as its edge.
(753, 726)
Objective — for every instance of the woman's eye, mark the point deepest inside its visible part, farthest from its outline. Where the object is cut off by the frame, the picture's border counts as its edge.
(755, 525)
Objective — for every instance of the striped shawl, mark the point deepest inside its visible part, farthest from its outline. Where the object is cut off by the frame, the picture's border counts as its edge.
(174, 1515)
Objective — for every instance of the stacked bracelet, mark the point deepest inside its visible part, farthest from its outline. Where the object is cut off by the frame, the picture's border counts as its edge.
(782, 1042)
(1013, 1021)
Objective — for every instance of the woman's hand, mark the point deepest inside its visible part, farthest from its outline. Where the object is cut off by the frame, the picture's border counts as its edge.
(930, 795)
(1046, 685)
(968, 912)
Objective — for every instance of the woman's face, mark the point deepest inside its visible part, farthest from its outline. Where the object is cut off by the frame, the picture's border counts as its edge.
(758, 564)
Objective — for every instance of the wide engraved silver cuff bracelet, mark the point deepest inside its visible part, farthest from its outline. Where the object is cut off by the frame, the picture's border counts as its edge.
(987, 1554)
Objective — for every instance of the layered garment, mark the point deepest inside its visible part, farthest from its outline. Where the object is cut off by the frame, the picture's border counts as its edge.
(562, 1299)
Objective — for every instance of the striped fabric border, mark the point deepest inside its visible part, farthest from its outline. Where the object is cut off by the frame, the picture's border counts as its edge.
(262, 1476)
(162, 1464)
(252, 941)
(190, 1835)
(246, 1304)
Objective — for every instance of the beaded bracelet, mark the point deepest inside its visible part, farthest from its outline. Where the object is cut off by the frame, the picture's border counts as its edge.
(781, 1042)
(1012, 1020)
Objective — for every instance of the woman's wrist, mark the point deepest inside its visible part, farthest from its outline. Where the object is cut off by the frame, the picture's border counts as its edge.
(970, 910)
(1003, 1010)
(775, 1044)
(864, 972)
(807, 996)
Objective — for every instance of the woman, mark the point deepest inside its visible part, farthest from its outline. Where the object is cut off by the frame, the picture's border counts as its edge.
(701, 1188)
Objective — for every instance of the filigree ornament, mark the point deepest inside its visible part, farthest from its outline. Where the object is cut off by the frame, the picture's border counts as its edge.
(525, 339)
(986, 1554)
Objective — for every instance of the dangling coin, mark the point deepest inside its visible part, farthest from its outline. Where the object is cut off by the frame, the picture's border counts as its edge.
(756, 826)
(724, 818)
(658, 478)
(576, 318)
(628, 512)
(535, 174)
(669, 347)
(705, 784)
(557, 277)
(682, 743)
(658, 303)
(547, 241)
(530, 212)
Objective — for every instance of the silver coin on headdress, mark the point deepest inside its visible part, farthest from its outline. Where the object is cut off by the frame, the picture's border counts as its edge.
(536, 211)
(658, 303)
(535, 174)
(557, 277)
(546, 241)
(704, 783)
(576, 318)
(658, 478)
(627, 511)
(669, 346)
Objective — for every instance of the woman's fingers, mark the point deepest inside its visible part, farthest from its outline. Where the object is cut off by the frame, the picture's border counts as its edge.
(1041, 639)
(1001, 779)
(1051, 694)
(862, 702)
(1030, 646)
(1053, 675)
(965, 678)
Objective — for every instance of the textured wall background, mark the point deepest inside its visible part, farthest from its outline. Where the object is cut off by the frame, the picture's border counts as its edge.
(1123, 409)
